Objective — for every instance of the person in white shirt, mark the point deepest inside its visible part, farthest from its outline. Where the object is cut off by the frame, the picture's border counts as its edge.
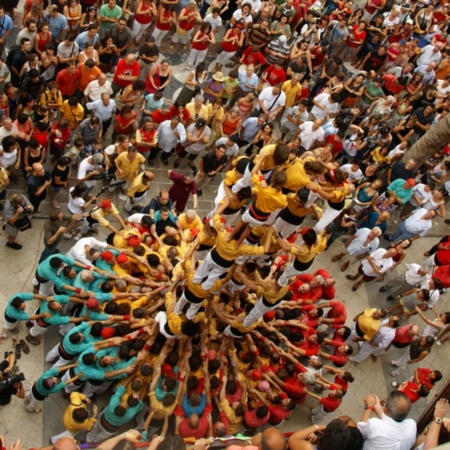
(310, 132)
(415, 226)
(414, 276)
(271, 101)
(430, 53)
(96, 88)
(214, 20)
(355, 174)
(391, 429)
(89, 169)
(28, 32)
(292, 118)
(232, 149)
(324, 105)
(169, 134)
(421, 194)
(87, 250)
(362, 243)
(377, 263)
(380, 342)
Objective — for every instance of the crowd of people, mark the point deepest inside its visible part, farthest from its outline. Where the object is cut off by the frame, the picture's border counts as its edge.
(205, 326)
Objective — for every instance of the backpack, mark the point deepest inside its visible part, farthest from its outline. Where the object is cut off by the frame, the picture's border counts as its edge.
(12, 51)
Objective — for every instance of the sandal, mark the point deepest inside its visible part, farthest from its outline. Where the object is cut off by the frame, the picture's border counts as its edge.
(15, 340)
(351, 277)
(336, 258)
(393, 363)
(24, 346)
(344, 266)
(394, 373)
(32, 340)
(34, 411)
(374, 358)
(18, 352)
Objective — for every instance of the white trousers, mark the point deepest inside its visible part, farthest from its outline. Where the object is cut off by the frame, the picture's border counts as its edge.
(318, 414)
(211, 271)
(69, 387)
(224, 58)
(53, 354)
(128, 206)
(161, 318)
(193, 307)
(258, 311)
(285, 228)
(32, 403)
(196, 57)
(159, 35)
(138, 29)
(289, 272)
(98, 433)
(328, 216)
(183, 38)
(10, 326)
(64, 434)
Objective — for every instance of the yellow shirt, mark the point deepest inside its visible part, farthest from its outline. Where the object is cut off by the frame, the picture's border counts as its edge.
(129, 168)
(195, 288)
(297, 176)
(76, 401)
(3, 178)
(268, 162)
(73, 115)
(299, 211)
(234, 421)
(197, 223)
(203, 111)
(46, 98)
(218, 115)
(305, 254)
(175, 321)
(291, 92)
(100, 215)
(137, 186)
(228, 250)
(368, 325)
(232, 176)
(160, 408)
(268, 199)
(120, 240)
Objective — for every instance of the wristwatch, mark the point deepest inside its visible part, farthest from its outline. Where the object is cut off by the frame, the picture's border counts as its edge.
(438, 420)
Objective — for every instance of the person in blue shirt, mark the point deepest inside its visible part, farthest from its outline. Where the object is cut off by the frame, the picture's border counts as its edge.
(57, 24)
(402, 189)
(6, 26)
(44, 386)
(118, 413)
(15, 310)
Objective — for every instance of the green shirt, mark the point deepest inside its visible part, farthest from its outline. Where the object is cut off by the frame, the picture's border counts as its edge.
(106, 11)
(15, 313)
(130, 412)
(373, 91)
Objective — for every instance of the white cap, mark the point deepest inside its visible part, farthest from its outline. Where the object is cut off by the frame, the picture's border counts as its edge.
(282, 38)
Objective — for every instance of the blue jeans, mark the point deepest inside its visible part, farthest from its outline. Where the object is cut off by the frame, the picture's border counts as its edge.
(400, 234)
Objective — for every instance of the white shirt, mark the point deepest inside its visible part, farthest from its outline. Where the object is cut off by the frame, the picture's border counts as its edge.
(416, 225)
(199, 146)
(428, 56)
(79, 253)
(397, 150)
(135, 218)
(94, 91)
(99, 109)
(387, 434)
(75, 204)
(421, 194)
(413, 278)
(293, 112)
(356, 247)
(66, 52)
(4, 132)
(352, 176)
(385, 335)
(230, 152)
(215, 22)
(323, 100)
(84, 168)
(270, 100)
(26, 33)
(166, 139)
(308, 135)
(382, 264)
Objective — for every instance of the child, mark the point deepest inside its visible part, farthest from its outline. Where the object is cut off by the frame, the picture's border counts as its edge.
(75, 151)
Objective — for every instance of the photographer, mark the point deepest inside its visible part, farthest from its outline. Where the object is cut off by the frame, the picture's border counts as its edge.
(10, 385)
(89, 171)
(18, 211)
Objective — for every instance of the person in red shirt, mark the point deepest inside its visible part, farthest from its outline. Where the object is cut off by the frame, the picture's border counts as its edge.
(412, 390)
(127, 72)
(274, 74)
(393, 85)
(335, 143)
(328, 404)
(67, 80)
(336, 315)
(439, 254)
(315, 283)
(125, 122)
(59, 136)
(280, 407)
(341, 380)
(254, 418)
(193, 426)
(341, 352)
(252, 55)
(328, 286)
(405, 335)
(424, 375)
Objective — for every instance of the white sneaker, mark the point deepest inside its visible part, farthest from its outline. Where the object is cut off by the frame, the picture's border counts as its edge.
(77, 237)
(438, 342)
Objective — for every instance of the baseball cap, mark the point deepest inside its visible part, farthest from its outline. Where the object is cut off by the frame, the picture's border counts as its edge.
(282, 38)
(107, 332)
(134, 241)
(122, 259)
(107, 255)
(200, 123)
(92, 303)
(106, 203)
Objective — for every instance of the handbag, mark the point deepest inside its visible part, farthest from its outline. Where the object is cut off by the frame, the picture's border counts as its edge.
(23, 223)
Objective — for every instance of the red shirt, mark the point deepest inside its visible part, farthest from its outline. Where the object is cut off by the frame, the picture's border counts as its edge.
(336, 146)
(65, 134)
(253, 58)
(402, 337)
(410, 390)
(158, 117)
(184, 115)
(123, 68)
(442, 273)
(122, 121)
(343, 385)
(295, 389)
(41, 137)
(67, 83)
(274, 75)
(338, 313)
(251, 421)
(391, 85)
(327, 292)
(424, 374)
(223, 419)
(187, 432)
(330, 404)
(278, 414)
(357, 37)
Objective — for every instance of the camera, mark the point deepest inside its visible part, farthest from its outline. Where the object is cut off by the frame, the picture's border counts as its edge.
(9, 381)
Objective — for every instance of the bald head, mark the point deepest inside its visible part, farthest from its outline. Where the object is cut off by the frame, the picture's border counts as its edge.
(272, 439)
(65, 443)
(193, 421)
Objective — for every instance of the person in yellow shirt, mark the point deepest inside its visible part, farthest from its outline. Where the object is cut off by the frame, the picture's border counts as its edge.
(234, 412)
(188, 221)
(292, 88)
(312, 245)
(76, 416)
(73, 111)
(128, 165)
(269, 201)
(138, 189)
(302, 174)
(98, 217)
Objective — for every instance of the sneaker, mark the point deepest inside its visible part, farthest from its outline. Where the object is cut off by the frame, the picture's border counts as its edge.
(14, 245)
(67, 235)
(438, 342)
(55, 205)
(353, 360)
(394, 383)
(77, 237)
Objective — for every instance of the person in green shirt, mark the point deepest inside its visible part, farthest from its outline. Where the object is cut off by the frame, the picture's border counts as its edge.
(109, 14)
(372, 92)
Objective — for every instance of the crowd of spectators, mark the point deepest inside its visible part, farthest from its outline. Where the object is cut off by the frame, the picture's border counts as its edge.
(198, 327)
